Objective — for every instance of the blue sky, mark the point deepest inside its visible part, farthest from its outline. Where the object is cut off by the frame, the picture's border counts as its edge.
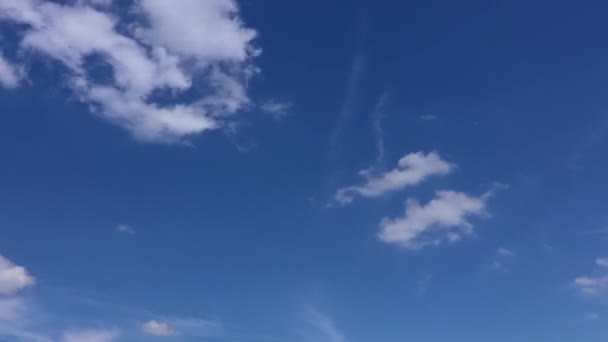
(318, 171)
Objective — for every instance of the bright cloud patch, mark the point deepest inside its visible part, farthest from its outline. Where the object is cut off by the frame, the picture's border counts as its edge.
(443, 218)
(158, 328)
(9, 74)
(278, 110)
(504, 252)
(90, 336)
(591, 285)
(177, 49)
(412, 169)
(12, 277)
(602, 262)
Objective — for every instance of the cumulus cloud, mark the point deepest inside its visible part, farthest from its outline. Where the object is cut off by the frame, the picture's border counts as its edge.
(10, 75)
(92, 335)
(13, 277)
(443, 218)
(158, 328)
(412, 169)
(195, 50)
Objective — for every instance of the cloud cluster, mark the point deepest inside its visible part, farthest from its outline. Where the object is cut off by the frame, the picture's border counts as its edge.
(445, 217)
(594, 284)
(411, 169)
(175, 71)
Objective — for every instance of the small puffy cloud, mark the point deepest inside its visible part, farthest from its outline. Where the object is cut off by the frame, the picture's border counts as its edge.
(444, 218)
(10, 75)
(412, 169)
(125, 229)
(504, 252)
(91, 335)
(195, 55)
(158, 328)
(601, 262)
(12, 277)
(278, 110)
(592, 317)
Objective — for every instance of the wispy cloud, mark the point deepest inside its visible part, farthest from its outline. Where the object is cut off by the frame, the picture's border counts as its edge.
(428, 117)
(602, 262)
(592, 317)
(277, 109)
(505, 252)
(411, 169)
(325, 325)
(357, 68)
(444, 218)
(125, 229)
(502, 259)
(10, 75)
(591, 285)
(377, 118)
(91, 335)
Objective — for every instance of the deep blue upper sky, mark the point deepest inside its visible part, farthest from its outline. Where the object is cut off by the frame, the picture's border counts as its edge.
(240, 227)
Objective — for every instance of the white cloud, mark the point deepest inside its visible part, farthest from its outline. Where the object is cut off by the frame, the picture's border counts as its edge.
(12, 277)
(592, 316)
(504, 252)
(602, 262)
(10, 75)
(125, 228)
(158, 328)
(277, 109)
(377, 117)
(92, 335)
(326, 326)
(182, 47)
(591, 285)
(411, 169)
(443, 218)
(207, 30)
